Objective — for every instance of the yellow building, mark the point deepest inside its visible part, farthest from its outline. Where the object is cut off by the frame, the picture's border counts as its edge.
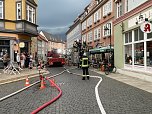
(17, 26)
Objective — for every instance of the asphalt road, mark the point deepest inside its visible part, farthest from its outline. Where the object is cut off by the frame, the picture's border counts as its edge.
(78, 96)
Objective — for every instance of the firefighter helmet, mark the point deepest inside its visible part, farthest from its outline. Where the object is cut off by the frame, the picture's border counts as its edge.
(84, 54)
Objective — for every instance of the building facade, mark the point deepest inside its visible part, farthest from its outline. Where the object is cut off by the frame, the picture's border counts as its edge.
(17, 26)
(133, 35)
(54, 42)
(42, 47)
(74, 33)
(97, 17)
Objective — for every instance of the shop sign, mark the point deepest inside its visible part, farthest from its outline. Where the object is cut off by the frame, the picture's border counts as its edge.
(21, 44)
(146, 27)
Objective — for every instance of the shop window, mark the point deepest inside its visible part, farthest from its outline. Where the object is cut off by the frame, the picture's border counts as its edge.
(149, 53)
(128, 54)
(128, 37)
(149, 35)
(141, 35)
(139, 53)
(138, 35)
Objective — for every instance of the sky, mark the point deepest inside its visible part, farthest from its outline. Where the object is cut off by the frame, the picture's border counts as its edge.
(55, 16)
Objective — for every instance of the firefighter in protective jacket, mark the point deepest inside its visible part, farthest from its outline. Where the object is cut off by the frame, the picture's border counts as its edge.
(85, 66)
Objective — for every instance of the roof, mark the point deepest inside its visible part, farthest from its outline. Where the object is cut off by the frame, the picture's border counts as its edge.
(53, 38)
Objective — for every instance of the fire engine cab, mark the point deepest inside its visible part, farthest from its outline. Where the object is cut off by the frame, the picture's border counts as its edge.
(54, 57)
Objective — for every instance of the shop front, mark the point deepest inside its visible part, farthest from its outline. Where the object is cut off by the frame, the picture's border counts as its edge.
(133, 42)
(138, 50)
(99, 54)
(12, 44)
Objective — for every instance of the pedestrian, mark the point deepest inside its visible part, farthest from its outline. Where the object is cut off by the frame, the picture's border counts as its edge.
(5, 60)
(22, 59)
(85, 66)
(18, 60)
(30, 61)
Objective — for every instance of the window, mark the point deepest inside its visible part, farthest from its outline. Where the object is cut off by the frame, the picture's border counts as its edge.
(149, 35)
(128, 37)
(107, 8)
(84, 25)
(89, 21)
(107, 32)
(119, 9)
(97, 15)
(139, 53)
(138, 35)
(149, 53)
(132, 4)
(95, 34)
(99, 33)
(1, 9)
(30, 14)
(18, 5)
(90, 36)
(128, 54)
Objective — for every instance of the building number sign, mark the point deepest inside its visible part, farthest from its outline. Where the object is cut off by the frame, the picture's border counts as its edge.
(146, 27)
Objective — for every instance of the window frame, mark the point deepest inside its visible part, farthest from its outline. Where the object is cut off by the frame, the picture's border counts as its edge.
(2, 6)
(17, 13)
(33, 11)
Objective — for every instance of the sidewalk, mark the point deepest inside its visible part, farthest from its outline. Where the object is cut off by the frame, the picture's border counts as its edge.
(7, 78)
(128, 79)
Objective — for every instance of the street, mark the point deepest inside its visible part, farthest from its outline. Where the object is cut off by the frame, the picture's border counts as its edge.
(78, 96)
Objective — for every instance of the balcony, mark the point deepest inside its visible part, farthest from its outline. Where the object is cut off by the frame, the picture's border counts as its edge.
(25, 27)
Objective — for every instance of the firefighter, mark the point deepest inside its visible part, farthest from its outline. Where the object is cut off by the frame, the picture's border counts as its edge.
(85, 66)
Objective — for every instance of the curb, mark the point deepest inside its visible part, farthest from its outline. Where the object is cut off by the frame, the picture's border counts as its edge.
(142, 76)
(5, 81)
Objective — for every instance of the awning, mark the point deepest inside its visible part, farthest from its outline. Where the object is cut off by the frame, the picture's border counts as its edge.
(101, 50)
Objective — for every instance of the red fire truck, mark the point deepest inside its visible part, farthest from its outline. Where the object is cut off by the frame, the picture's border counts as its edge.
(54, 57)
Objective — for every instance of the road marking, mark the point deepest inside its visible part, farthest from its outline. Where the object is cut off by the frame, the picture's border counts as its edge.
(97, 95)
(96, 92)
(16, 92)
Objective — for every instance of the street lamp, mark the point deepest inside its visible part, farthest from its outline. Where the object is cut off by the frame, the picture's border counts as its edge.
(108, 28)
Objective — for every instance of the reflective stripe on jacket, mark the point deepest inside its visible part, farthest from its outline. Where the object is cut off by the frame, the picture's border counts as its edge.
(85, 62)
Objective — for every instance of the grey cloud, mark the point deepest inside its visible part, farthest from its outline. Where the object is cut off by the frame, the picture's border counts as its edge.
(57, 15)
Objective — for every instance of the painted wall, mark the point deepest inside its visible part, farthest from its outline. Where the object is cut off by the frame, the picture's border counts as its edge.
(10, 14)
(118, 46)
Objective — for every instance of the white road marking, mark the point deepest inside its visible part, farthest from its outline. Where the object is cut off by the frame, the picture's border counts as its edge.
(16, 92)
(96, 92)
(97, 95)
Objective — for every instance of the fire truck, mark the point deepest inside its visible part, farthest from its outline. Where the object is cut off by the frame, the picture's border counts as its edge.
(54, 57)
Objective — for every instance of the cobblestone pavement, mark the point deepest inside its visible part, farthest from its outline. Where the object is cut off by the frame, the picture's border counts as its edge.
(79, 97)
(120, 98)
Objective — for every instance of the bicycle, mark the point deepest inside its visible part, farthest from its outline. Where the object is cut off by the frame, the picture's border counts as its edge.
(110, 68)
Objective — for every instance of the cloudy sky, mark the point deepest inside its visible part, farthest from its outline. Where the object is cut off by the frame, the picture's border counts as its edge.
(55, 16)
